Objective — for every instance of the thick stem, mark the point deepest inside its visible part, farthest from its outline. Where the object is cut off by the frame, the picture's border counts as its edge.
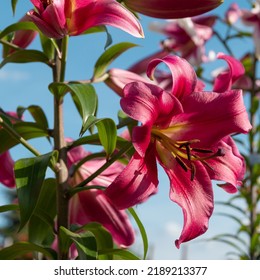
(60, 145)
(253, 190)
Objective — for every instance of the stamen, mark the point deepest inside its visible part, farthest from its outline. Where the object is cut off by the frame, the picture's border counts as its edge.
(182, 164)
(193, 171)
(46, 3)
(204, 151)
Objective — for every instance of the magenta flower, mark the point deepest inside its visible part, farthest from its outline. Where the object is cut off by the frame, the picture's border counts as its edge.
(7, 170)
(23, 38)
(7, 164)
(188, 133)
(172, 8)
(187, 37)
(57, 18)
(233, 13)
(93, 205)
(252, 18)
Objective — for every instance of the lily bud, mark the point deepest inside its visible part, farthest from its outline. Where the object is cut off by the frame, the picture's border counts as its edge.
(169, 9)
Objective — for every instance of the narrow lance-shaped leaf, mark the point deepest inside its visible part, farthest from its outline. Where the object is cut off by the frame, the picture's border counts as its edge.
(29, 177)
(108, 57)
(42, 221)
(25, 56)
(37, 113)
(107, 132)
(27, 130)
(14, 3)
(21, 25)
(84, 97)
(19, 249)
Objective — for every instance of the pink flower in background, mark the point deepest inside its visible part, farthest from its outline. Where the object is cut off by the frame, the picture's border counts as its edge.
(188, 133)
(7, 163)
(233, 13)
(7, 170)
(252, 18)
(187, 37)
(58, 18)
(169, 9)
(23, 38)
(93, 205)
(227, 78)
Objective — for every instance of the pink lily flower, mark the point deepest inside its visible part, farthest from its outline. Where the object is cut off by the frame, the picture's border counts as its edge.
(93, 205)
(7, 170)
(187, 37)
(7, 164)
(169, 9)
(252, 18)
(233, 13)
(227, 78)
(188, 134)
(58, 18)
(23, 38)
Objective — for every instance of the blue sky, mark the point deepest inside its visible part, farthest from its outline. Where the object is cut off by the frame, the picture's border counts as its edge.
(24, 85)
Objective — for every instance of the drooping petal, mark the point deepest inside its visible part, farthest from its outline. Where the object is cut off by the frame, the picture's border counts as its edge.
(229, 168)
(195, 197)
(137, 182)
(7, 170)
(170, 9)
(226, 79)
(183, 75)
(148, 104)
(91, 13)
(118, 78)
(95, 206)
(211, 116)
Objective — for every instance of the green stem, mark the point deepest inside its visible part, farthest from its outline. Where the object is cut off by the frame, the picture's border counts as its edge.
(127, 147)
(60, 145)
(224, 43)
(18, 137)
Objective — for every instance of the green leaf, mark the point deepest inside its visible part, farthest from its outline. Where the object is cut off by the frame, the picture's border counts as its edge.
(18, 26)
(14, 3)
(9, 207)
(103, 238)
(47, 46)
(37, 113)
(85, 243)
(84, 97)
(101, 28)
(29, 177)
(27, 130)
(123, 254)
(142, 231)
(25, 56)
(108, 57)
(42, 221)
(19, 249)
(107, 132)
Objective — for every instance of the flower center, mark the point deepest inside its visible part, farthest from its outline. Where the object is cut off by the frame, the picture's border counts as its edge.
(46, 3)
(184, 153)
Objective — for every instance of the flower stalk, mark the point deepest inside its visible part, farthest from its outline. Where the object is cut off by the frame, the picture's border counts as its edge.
(60, 145)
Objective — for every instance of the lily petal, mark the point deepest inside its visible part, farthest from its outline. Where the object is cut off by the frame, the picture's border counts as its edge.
(194, 197)
(170, 9)
(211, 116)
(7, 170)
(229, 168)
(95, 206)
(184, 78)
(224, 80)
(147, 103)
(103, 12)
(136, 183)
